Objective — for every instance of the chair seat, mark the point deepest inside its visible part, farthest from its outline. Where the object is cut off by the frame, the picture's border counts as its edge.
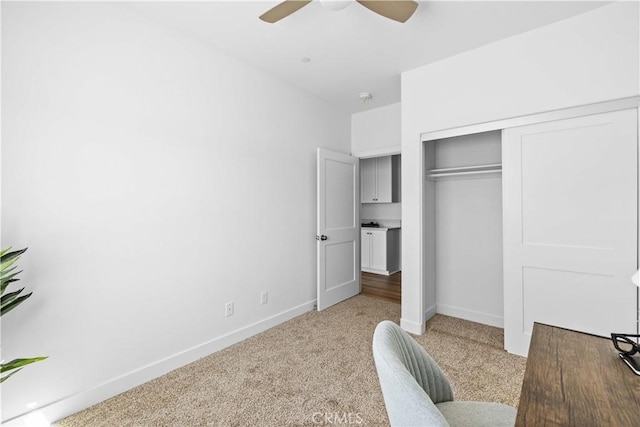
(477, 414)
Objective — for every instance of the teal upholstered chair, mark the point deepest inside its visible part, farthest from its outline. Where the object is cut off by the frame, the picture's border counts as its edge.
(416, 391)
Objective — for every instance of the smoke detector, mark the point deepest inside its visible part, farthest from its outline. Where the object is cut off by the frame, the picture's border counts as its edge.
(365, 97)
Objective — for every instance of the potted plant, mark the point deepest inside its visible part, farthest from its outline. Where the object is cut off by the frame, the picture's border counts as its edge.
(9, 301)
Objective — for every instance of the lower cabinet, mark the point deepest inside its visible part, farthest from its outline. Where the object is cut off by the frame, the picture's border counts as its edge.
(380, 250)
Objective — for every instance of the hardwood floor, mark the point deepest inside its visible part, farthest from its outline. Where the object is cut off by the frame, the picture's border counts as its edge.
(384, 287)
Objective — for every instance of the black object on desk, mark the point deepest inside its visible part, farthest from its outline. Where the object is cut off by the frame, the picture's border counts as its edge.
(627, 348)
(631, 362)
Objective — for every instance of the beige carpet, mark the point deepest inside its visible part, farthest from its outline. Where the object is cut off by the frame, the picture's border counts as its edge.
(316, 364)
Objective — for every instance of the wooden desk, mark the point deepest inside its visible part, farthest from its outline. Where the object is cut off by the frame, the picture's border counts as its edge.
(576, 379)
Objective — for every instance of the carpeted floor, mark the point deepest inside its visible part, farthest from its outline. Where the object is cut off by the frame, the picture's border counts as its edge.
(308, 371)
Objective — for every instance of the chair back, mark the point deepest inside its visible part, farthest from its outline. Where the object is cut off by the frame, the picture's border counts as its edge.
(411, 381)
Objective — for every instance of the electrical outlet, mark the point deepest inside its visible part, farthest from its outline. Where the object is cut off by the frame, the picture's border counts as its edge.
(264, 297)
(228, 309)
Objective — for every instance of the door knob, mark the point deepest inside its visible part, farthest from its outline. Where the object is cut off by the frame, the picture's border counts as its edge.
(323, 237)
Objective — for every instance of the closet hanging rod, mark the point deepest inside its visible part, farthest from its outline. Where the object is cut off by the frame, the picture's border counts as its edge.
(465, 170)
(493, 167)
(464, 173)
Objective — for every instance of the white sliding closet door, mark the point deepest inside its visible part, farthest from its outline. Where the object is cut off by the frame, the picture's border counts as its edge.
(570, 212)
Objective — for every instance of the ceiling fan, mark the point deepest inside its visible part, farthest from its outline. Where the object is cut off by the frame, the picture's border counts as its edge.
(398, 10)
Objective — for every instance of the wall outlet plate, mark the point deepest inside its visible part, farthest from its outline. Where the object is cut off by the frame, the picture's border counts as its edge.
(228, 309)
(264, 297)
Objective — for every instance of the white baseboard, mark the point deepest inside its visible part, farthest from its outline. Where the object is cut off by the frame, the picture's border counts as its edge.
(474, 316)
(412, 327)
(430, 312)
(381, 272)
(416, 328)
(69, 405)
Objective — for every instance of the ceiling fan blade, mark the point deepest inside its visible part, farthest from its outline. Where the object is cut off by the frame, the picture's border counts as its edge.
(399, 10)
(283, 10)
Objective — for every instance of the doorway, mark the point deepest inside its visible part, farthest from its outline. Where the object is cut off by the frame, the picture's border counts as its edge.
(381, 214)
(388, 288)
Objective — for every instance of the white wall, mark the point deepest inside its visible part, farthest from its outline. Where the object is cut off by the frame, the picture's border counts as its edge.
(468, 231)
(150, 178)
(585, 59)
(545, 69)
(376, 132)
(381, 211)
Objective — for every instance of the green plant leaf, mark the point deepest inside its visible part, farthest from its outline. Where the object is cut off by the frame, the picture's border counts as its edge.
(16, 365)
(13, 304)
(6, 377)
(8, 279)
(10, 301)
(5, 284)
(10, 296)
(8, 259)
(7, 271)
(8, 264)
(5, 257)
(6, 276)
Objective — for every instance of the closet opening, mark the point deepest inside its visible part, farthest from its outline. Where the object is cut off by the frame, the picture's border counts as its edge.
(534, 220)
(463, 223)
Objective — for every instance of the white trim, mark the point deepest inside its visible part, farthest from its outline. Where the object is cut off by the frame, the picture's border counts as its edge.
(430, 312)
(471, 315)
(565, 113)
(638, 229)
(422, 239)
(381, 272)
(76, 402)
(390, 151)
(412, 327)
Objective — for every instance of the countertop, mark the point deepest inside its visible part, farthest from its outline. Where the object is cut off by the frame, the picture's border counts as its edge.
(381, 228)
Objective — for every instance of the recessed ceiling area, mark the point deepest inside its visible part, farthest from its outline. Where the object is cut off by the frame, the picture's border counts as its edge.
(353, 50)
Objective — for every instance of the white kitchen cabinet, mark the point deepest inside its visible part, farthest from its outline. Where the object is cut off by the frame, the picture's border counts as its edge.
(380, 179)
(368, 178)
(380, 250)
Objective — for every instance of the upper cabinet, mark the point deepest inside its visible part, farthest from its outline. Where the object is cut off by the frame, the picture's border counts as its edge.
(380, 179)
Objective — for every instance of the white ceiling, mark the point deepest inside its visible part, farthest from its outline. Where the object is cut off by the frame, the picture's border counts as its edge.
(353, 50)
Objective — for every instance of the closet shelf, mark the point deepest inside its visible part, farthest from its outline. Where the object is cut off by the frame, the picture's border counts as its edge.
(464, 170)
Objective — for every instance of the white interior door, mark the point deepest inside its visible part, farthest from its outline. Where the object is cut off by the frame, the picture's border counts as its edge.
(570, 196)
(338, 228)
